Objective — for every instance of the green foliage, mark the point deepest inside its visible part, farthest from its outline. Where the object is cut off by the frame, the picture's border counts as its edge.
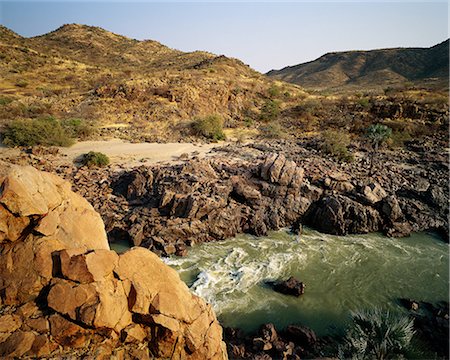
(378, 134)
(272, 130)
(398, 139)
(274, 91)
(377, 334)
(30, 132)
(5, 100)
(22, 83)
(210, 127)
(363, 102)
(336, 143)
(248, 122)
(78, 128)
(270, 110)
(95, 159)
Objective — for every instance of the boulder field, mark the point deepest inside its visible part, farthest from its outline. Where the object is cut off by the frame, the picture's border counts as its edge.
(64, 293)
(167, 208)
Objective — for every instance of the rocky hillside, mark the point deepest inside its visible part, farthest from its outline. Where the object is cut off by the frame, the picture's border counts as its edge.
(88, 73)
(65, 294)
(369, 69)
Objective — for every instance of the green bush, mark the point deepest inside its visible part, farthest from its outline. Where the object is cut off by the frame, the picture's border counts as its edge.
(270, 110)
(210, 127)
(5, 100)
(78, 128)
(272, 130)
(377, 334)
(274, 91)
(95, 159)
(336, 143)
(363, 102)
(30, 132)
(22, 83)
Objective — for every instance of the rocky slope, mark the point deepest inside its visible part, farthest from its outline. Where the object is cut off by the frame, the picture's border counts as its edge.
(369, 69)
(63, 293)
(89, 73)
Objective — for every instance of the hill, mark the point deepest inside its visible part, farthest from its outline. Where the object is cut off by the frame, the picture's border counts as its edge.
(143, 88)
(372, 69)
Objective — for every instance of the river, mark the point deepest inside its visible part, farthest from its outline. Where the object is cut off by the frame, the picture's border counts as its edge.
(341, 274)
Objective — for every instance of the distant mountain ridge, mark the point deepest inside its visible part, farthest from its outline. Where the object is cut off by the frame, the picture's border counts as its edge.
(372, 68)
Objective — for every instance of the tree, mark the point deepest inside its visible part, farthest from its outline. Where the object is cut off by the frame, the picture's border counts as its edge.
(377, 135)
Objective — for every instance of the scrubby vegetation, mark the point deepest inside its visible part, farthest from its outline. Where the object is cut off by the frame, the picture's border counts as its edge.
(95, 159)
(272, 130)
(78, 128)
(377, 334)
(30, 132)
(336, 144)
(270, 110)
(210, 127)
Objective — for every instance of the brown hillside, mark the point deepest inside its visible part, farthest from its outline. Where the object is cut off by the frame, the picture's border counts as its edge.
(86, 72)
(370, 69)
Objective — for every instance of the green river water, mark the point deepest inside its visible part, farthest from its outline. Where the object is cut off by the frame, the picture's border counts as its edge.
(340, 273)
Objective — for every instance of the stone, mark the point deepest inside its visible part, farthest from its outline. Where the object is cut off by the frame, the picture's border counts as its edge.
(11, 227)
(340, 215)
(17, 345)
(390, 208)
(66, 333)
(85, 268)
(301, 335)
(10, 323)
(373, 193)
(133, 333)
(291, 286)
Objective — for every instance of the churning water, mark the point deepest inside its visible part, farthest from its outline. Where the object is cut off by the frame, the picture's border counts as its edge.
(340, 273)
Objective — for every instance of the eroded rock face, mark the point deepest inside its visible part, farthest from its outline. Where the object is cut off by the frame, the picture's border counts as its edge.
(61, 288)
(341, 215)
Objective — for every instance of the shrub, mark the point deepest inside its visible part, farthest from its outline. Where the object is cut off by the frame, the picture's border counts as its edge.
(336, 143)
(95, 159)
(363, 102)
(78, 128)
(270, 110)
(272, 130)
(274, 91)
(5, 100)
(22, 83)
(210, 127)
(30, 132)
(377, 334)
(398, 139)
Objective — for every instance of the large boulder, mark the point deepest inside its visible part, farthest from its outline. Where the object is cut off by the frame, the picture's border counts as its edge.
(340, 215)
(61, 287)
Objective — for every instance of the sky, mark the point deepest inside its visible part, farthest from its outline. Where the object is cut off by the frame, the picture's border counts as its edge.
(266, 35)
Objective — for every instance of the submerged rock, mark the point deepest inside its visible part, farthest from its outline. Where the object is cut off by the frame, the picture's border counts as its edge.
(61, 288)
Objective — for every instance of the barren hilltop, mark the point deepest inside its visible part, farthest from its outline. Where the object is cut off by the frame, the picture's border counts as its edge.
(375, 68)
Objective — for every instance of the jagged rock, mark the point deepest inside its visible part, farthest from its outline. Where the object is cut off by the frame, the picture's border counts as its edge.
(98, 300)
(301, 335)
(340, 215)
(18, 344)
(390, 208)
(291, 286)
(373, 193)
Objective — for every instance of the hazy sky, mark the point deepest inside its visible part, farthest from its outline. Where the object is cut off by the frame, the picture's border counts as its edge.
(265, 35)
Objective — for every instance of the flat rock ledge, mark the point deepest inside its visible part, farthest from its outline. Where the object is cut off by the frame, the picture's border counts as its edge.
(64, 293)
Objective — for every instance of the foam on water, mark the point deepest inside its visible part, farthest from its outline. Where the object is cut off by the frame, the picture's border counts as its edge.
(340, 273)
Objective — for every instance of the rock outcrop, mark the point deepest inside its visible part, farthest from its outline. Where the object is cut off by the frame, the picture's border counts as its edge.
(63, 292)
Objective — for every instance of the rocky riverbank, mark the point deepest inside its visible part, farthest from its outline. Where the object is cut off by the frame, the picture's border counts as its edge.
(65, 294)
(259, 187)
